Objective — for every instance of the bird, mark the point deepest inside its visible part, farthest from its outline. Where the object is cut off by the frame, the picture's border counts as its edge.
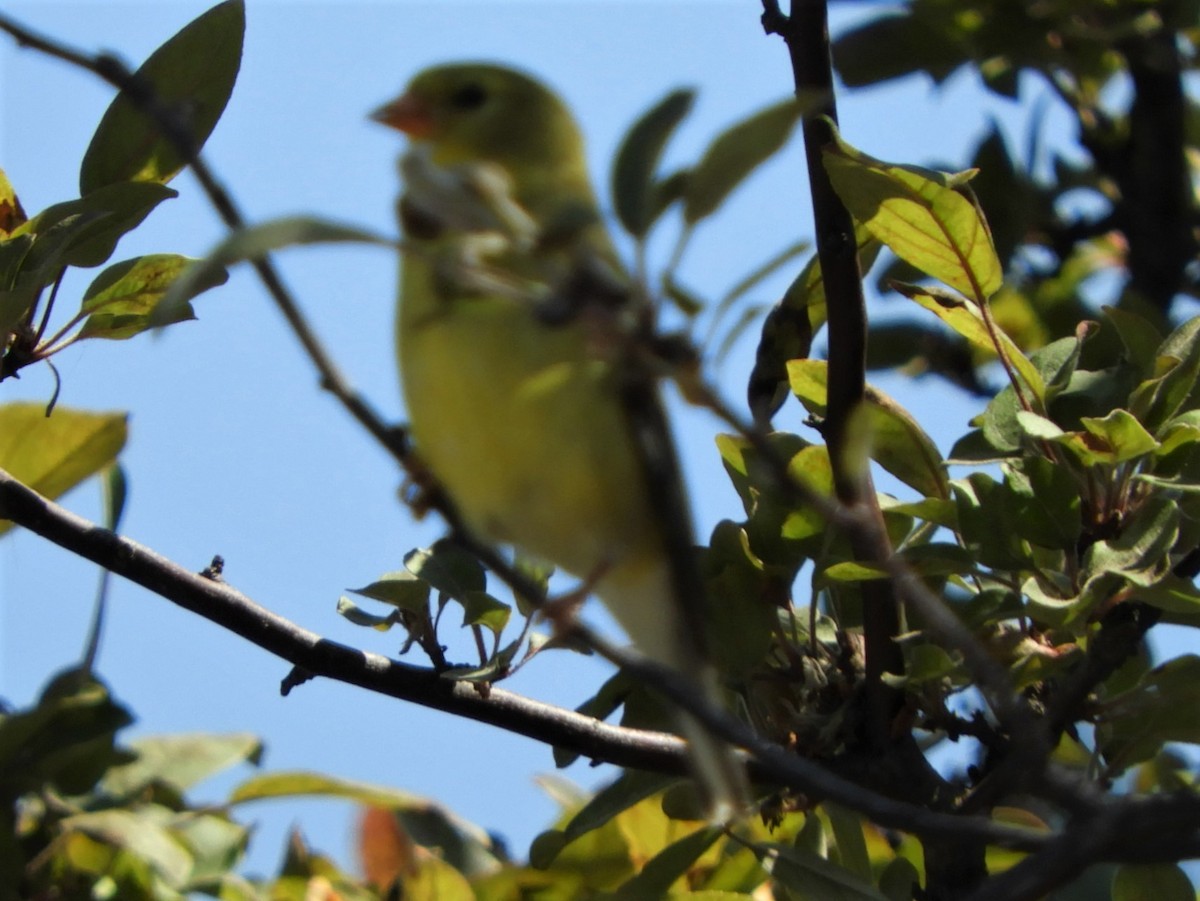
(517, 417)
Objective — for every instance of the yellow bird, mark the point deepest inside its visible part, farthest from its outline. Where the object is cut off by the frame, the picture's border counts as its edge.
(519, 419)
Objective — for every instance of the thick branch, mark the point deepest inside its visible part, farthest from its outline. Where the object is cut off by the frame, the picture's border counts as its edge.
(229, 608)
(806, 33)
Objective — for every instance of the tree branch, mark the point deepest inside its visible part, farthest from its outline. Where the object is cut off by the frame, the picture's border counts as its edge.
(229, 608)
(805, 31)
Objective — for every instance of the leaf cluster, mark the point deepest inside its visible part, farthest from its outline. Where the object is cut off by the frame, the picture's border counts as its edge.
(123, 177)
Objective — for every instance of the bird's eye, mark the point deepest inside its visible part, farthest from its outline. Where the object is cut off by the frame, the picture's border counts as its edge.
(469, 96)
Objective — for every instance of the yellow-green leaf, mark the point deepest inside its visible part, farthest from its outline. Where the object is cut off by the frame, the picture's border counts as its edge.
(1152, 882)
(123, 298)
(54, 454)
(899, 444)
(965, 317)
(921, 215)
(11, 214)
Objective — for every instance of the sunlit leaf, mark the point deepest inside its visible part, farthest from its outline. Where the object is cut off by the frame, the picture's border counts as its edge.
(54, 454)
(922, 216)
(401, 589)
(122, 300)
(11, 213)
(965, 318)
(898, 443)
(1152, 882)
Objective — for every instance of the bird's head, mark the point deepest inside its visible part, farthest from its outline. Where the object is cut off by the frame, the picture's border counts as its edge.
(477, 112)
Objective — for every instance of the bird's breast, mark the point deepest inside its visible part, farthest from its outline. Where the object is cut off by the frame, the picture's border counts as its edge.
(525, 432)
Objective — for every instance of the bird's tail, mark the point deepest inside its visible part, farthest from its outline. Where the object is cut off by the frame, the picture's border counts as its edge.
(641, 600)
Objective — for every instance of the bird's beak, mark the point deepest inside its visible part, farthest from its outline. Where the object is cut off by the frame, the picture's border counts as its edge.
(407, 114)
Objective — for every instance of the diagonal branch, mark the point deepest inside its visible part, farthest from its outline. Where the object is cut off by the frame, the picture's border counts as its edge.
(229, 608)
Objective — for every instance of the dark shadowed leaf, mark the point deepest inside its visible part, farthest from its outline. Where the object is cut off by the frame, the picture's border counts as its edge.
(633, 176)
(448, 568)
(97, 222)
(191, 76)
(734, 154)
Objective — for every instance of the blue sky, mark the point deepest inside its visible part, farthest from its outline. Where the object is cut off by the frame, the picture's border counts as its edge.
(233, 448)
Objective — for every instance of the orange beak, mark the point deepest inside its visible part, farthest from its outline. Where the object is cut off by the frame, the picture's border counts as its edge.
(407, 114)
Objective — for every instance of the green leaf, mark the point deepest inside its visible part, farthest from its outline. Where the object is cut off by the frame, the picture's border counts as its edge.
(191, 76)
(122, 301)
(54, 454)
(685, 300)
(848, 840)
(350, 611)
(899, 879)
(899, 42)
(1140, 337)
(462, 844)
(1172, 594)
(1043, 504)
(1164, 706)
(921, 215)
(740, 620)
(979, 499)
(181, 761)
(1122, 437)
(671, 863)
(68, 740)
(965, 318)
(141, 836)
(899, 444)
(435, 880)
(789, 329)
(810, 466)
(1177, 366)
(15, 302)
(1005, 422)
(734, 154)
(633, 183)
(1140, 553)
(85, 232)
(116, 490)
(255, 242)
(481, 609)
(1152, 882)
(401, 589)
(448, 568)
(775, 526)
(631, 787)
(809, 875)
